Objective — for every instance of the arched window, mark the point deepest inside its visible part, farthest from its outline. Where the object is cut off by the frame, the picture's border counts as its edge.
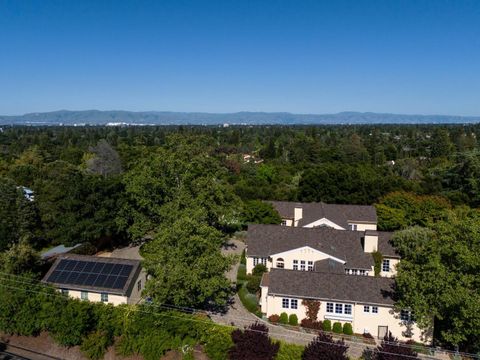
(280, 263)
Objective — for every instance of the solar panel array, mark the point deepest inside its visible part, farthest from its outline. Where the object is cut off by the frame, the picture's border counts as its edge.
(89, 273)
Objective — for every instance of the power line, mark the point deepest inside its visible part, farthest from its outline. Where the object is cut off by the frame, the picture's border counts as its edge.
(362, 346)
(188, 310)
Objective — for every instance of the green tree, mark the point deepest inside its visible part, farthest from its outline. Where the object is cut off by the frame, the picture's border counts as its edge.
(438, 278)
(185, 262)
(260, 212)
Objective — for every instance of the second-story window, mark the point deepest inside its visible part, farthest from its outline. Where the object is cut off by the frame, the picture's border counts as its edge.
(353, 227)
(310, 266)
(386, 265)
(280, 263)
(329, 307)
(285, 303)
(302, 265)
(295, 264)
(284, 222)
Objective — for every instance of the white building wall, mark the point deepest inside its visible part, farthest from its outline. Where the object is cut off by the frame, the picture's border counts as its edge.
(301, 254)
(361, 322)
(393, 267)
(363, 226)
(136, 293)
(96, 297)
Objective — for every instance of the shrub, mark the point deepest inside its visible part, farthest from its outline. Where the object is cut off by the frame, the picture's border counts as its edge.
(293, 320)
(248, 300)
(259, 269)
(217, 343)
(347, 329)
(327, 325)
(377, 259)
(252, 343)
(243, 258)
(337, 328)
(274, 318)
(313, 306)
(325, 348)
(95, 345)
(253, 284)
(289, 351)
(283, 318)
(241, 273)
(309, 324)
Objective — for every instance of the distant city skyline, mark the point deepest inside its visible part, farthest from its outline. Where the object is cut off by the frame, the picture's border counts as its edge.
(303, 57)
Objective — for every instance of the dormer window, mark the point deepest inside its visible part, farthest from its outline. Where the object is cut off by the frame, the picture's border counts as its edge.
(353, 227)
(280, 263)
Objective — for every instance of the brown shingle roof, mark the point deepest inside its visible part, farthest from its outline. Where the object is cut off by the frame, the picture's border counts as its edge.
(385, 246)
(266, 240)
(328, 286)
(339, 214)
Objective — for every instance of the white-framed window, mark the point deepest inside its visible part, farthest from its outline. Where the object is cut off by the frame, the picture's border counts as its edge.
(65, 292)
(406, 315)
(84, 295)
(293, 303)
(257, 261)
(353, 227)
(386, 265)
(374, 309)
(285, 303)
(302, 265)
(104, 297)
(347, 309)
(329, 307)
(295, 264)
(366, 308)
(310, 266)
(338, 308)
(284, 223)
(280, 263)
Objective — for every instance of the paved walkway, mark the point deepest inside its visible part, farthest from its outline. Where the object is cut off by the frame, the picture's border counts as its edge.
(237, 315)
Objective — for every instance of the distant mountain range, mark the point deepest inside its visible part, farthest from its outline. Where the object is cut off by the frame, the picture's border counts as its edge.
(96, 117)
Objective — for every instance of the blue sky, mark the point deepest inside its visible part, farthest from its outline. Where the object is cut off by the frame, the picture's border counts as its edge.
(415, 57)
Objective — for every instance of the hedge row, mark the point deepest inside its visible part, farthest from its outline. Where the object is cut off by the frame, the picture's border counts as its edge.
(27, 310)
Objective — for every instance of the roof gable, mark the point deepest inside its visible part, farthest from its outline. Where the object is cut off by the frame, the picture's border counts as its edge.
(265, 240)
(323, 222)
(312, 249)
(340, 214)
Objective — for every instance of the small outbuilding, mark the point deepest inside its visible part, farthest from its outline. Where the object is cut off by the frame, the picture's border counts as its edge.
(109, 280)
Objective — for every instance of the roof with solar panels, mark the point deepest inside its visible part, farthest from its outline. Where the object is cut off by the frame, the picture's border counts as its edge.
(97, 274)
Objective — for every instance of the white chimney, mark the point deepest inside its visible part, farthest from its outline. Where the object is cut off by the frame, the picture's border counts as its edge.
(297, 215)
(370, 241)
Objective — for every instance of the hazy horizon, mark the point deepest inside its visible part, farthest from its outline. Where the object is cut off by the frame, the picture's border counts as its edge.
(309, 57)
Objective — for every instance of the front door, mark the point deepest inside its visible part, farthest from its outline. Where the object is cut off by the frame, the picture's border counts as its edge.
(382, 331)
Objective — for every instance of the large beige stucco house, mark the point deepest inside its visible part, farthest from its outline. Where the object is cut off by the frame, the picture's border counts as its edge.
(334, 267)
(340, 217)
(364, 301)
(299, 248)
(109, 280)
